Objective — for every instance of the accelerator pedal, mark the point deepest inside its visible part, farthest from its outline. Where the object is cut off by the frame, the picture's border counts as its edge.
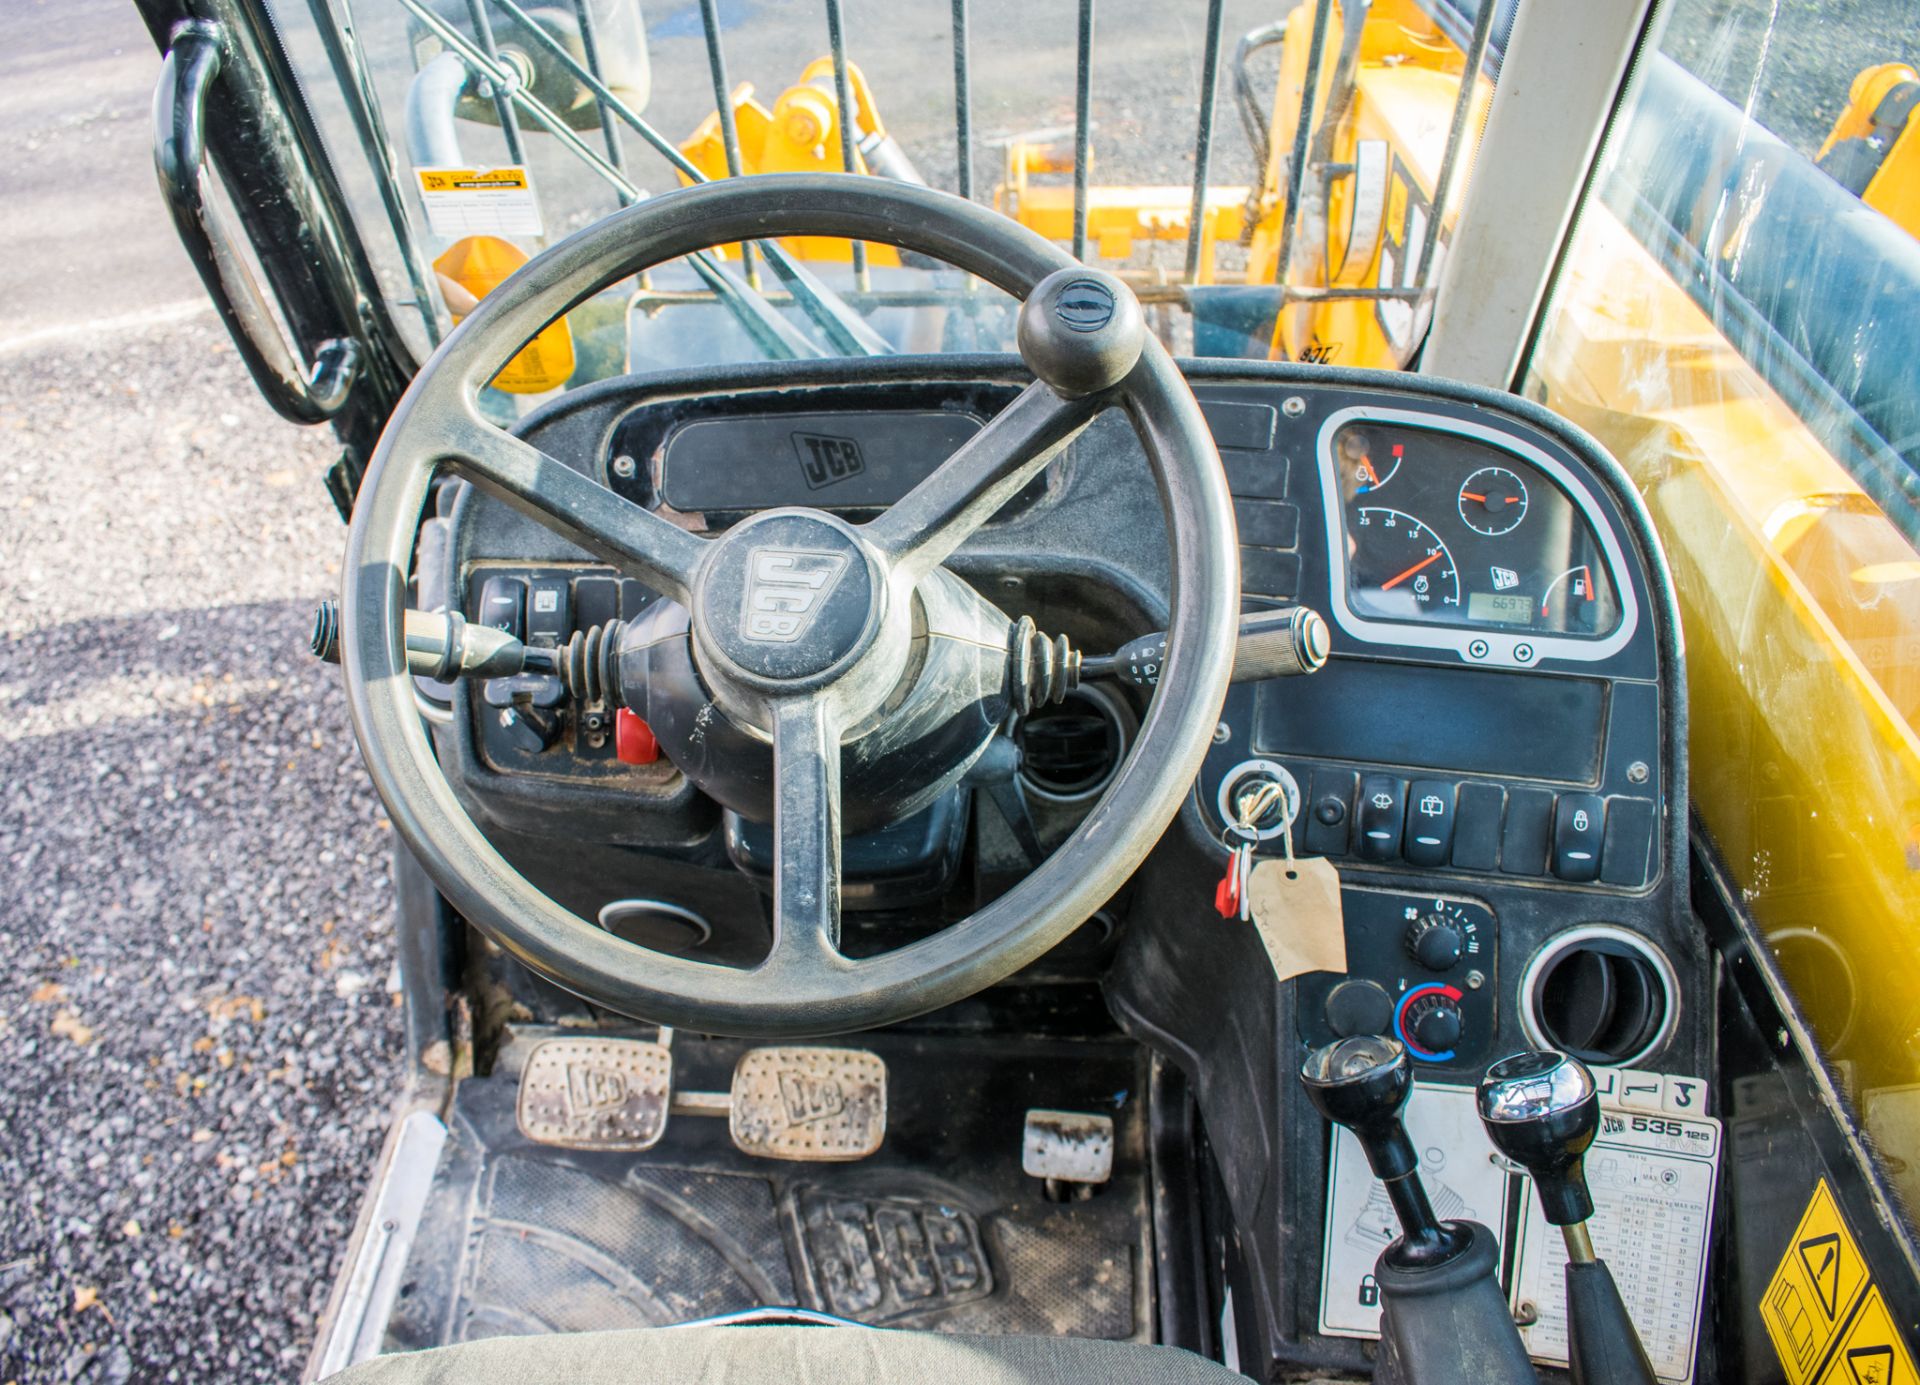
(596, 1093)
(821, 1105)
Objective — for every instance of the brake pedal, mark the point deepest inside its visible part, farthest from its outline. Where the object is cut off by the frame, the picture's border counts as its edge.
(596, 1093)
(822, 1105)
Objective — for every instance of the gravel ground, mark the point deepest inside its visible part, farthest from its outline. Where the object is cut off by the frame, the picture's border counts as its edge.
(197, 1040)
(1805, 55)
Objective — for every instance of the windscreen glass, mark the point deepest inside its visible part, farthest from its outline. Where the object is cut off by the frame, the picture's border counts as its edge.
(1266, 179)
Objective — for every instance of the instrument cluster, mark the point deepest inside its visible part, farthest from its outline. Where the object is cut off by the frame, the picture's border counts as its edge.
(1447, 535)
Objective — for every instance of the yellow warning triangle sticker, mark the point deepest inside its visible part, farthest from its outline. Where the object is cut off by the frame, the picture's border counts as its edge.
(1828, 1322)
(1871, 1351)
(1820, 1261)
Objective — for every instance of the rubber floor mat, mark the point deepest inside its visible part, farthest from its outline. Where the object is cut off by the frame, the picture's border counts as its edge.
(939, 1230)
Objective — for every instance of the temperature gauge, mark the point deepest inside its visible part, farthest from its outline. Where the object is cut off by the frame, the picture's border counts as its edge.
(1368, 466)
(1493, 501)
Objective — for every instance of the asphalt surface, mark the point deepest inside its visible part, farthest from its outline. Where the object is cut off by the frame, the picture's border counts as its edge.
(197, 1033)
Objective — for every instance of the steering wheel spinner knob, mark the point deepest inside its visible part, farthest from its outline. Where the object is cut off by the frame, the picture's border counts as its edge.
(1081, 330)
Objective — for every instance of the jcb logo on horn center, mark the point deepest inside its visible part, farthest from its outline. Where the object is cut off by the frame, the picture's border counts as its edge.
(786, 587)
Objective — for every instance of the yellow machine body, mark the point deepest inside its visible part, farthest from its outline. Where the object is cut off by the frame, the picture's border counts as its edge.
(1879, 111)
(800, 134)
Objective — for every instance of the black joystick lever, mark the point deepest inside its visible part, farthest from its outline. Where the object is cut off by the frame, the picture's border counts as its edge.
(1541, 1110)
(1363, 1083)
(1443, 1317)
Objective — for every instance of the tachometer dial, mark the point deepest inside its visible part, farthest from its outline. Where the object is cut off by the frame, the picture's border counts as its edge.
(1493, 501)
(1400, 567)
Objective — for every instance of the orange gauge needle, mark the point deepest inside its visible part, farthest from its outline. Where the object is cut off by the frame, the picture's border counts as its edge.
(1367, 472)
(1428, 561)
(1469, 495)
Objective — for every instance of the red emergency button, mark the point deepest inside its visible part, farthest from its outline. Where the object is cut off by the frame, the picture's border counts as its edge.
(633, 740)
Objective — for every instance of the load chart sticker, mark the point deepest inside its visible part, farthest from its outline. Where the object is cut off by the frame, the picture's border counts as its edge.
(1827, 1319)
(479, 201)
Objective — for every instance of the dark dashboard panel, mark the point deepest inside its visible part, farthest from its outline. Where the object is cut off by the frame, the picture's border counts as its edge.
(1474, 721)
(1488, 786)
(1524, 768)
(869, 458)
(852, 448)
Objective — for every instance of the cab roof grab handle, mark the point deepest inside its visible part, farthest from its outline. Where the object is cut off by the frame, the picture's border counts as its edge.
(311, 395)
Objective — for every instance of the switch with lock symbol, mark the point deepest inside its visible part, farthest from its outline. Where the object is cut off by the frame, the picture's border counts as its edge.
(1579, 829)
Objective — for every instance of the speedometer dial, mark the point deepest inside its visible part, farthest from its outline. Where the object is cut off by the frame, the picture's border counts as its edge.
(1399, 566)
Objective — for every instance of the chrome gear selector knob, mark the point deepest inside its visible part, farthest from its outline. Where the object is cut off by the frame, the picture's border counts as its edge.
(1443, 1315)
(1541, 1109)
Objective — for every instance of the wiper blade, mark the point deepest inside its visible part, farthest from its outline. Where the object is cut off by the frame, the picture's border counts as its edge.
(849, 333)
(847, 330)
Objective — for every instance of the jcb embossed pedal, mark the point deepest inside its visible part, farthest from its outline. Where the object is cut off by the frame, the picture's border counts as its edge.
(818, 1104)
(588, 1093)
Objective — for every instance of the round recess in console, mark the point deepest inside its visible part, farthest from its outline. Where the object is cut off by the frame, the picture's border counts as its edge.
(1070, 749)
(656, 924)
(1601, 993)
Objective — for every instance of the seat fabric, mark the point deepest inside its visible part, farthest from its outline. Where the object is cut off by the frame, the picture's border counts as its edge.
(788, 1356)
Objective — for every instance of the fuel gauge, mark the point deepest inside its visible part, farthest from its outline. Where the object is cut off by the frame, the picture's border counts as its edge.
(1580, 600)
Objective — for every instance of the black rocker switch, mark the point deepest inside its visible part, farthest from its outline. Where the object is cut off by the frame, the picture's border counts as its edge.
(503, 605)
(1542, 1111)
(1443, 1316)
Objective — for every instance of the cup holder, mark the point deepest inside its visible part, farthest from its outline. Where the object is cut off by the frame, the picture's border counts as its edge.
(1600, 993)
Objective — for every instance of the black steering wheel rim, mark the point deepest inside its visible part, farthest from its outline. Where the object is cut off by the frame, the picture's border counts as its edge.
(435, 420)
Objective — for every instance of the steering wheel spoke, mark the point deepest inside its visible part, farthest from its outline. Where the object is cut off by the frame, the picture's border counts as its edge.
(926, 525)
(806, 834)
(633, 538)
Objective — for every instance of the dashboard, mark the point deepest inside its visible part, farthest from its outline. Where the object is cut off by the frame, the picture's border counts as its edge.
(1492, 755)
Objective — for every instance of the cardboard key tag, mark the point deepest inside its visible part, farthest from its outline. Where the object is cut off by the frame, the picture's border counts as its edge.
(1296, 908)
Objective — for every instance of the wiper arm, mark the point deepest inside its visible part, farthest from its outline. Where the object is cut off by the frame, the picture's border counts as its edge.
(849, 333)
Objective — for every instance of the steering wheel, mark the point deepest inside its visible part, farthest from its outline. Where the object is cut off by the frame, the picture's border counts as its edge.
(1081, 333)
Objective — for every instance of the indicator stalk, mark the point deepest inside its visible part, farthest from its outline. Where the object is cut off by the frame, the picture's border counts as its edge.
(1280, 643)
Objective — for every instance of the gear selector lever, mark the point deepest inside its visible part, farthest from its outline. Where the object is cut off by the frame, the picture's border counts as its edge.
(1443, 1317)
(1541, 1110)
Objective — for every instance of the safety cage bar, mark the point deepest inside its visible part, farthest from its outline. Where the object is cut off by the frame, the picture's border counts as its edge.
(844, 329)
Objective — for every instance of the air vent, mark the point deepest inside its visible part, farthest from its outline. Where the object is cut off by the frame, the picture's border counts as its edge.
(1600, 993)
(1069, 749)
